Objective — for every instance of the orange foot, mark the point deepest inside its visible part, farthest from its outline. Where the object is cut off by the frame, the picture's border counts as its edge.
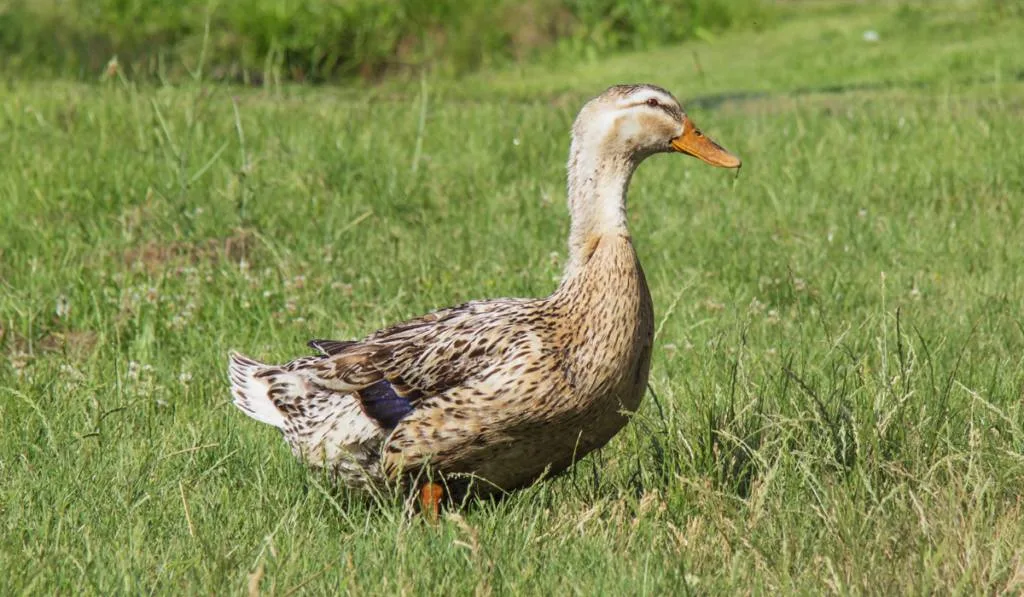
(430, 501)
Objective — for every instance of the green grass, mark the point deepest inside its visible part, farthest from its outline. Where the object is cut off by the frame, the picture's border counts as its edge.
(838, 381)
(318, 40)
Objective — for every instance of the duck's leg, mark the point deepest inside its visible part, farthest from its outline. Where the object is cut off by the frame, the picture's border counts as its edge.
(430, 501)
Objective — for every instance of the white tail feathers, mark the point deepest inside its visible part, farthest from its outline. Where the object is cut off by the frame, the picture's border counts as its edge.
(251, 392)
(324, 427)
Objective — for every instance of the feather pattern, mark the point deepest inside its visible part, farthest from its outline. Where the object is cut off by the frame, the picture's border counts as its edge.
(328, 347)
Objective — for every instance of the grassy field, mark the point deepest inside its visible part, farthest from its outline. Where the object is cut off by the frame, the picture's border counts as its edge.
(338, 40)
(837, 399)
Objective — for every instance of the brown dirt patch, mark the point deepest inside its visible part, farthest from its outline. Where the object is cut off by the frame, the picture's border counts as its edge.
(75, 344)
(156, 256)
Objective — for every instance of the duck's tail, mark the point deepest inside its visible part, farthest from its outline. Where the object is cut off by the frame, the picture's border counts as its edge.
(252, 385)
(322, 426)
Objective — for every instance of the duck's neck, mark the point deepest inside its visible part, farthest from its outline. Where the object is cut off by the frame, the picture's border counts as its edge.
(597, 201)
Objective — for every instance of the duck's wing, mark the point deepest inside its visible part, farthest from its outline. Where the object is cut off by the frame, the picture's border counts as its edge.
(393, 371)
(327, 348)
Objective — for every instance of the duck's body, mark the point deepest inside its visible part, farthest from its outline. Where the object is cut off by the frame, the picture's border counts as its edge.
(503, 391)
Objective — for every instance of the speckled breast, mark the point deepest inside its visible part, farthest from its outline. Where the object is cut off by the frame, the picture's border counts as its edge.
(598, 382)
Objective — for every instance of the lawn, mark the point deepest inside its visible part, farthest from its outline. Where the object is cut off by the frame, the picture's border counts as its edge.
(837, 389)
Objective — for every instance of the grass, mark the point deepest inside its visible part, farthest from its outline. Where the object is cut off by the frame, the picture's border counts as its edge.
(837, 398)
(320, 40)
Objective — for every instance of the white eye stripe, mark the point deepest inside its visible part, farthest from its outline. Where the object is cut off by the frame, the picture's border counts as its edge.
(664, 104)
(657, 98)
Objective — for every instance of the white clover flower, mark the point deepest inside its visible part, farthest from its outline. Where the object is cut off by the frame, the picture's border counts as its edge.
(63, 307)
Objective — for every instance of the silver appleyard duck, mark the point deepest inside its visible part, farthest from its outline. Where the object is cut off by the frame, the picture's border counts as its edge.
(499, 392)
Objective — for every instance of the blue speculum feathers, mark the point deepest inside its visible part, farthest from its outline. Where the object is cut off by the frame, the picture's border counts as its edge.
(381, 402)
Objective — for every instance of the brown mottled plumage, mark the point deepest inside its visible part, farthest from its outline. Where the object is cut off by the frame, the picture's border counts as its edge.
(504, 390)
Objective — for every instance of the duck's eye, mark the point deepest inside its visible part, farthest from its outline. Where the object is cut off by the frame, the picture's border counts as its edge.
(652, 102)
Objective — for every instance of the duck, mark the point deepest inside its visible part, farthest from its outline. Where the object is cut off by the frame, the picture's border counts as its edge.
(492, 395)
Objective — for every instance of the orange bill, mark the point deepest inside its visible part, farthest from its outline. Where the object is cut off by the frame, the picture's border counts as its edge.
(693, 142)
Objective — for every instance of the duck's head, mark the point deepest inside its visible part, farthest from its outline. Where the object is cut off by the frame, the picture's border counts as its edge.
(635, 121)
